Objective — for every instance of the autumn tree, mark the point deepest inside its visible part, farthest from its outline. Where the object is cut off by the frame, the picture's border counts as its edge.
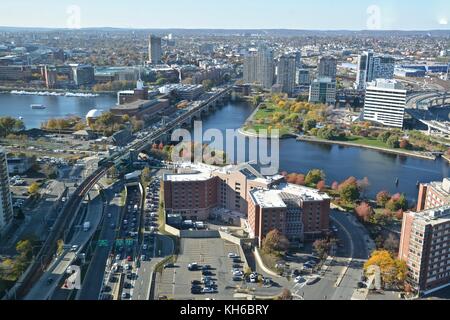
(322, 247)
(363, 185)
(364, 211)
(397, 202)
(34, 189)
(296, 178)
(348, 190)
(393, 271)
(321, 185)
(286, 295)
(382, 198)
(275, 241)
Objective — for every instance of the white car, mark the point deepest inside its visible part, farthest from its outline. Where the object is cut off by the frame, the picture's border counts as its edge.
(299, 279)
(232, 255)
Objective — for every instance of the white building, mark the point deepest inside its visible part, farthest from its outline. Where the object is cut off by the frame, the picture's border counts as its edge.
(6, 208)
(385, 103)
(323, 90)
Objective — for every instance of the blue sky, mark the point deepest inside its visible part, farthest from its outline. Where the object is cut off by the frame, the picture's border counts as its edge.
(229, 14)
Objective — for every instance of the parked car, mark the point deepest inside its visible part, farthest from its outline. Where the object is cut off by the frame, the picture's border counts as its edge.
(312, 281)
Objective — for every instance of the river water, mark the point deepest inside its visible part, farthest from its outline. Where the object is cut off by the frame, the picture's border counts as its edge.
(19, 106)
(337, 162)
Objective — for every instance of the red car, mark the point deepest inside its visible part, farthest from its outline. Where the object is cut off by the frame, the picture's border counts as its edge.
(129, 259)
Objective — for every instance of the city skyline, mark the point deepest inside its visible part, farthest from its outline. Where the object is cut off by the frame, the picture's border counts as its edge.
(374, 15)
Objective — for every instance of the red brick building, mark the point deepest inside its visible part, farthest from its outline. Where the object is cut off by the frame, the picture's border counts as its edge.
(425, 247)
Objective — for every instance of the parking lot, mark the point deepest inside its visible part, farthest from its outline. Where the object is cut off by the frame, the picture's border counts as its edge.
(176, 282)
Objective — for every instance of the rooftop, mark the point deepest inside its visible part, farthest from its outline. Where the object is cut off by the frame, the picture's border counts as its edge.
(434, 216)
(136, 105)
(273, 198)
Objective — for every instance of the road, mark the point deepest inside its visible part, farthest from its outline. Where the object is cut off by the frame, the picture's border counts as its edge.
(340, 277)
(37, 218)
(93, 281)
(42, 290)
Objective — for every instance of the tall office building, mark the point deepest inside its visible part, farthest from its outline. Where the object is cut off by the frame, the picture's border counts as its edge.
(259, 67)
(424, 246)
(372, 67)
(323, 90)
(327, 67)
(385, 103)
(286, 74)
(6, 209)
(154, 50)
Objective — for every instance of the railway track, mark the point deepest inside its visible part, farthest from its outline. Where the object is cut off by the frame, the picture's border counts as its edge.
(46, 254)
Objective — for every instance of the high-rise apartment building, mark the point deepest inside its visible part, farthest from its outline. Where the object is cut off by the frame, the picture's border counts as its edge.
(327, 67)
(372, 67)
(385, 103)
(323, 90)
(259, 67)
(286, 74)
(6, 208)
(303, 77)
(434, 194)
(154, 50)
(424, 246)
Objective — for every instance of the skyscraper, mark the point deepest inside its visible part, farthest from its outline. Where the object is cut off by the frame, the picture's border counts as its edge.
(6, 209)
(259, 67)
(154, 50)
(385, 103)
(327, 67)
(372, 67)
(286, 73)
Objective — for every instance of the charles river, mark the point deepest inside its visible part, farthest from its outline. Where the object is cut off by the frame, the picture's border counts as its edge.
(337, 162)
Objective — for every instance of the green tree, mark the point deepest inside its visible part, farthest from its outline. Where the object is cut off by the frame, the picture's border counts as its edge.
(348, 190)
(309, 124)
(24, 248)
(384, 136)
(393, 142)
(208, 84)
(314, 177)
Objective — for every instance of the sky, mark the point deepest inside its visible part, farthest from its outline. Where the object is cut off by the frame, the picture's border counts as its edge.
(229, 14)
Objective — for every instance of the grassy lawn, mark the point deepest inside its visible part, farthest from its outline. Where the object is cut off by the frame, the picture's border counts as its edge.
(265, 114)
(365, 141)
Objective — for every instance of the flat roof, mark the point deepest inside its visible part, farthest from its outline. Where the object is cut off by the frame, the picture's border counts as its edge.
(273, 198)
(136, 105)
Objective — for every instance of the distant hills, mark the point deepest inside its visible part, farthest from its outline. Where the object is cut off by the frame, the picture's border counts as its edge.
(225, 32)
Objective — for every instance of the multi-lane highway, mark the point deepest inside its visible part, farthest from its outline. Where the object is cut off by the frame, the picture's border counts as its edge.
(35, 271)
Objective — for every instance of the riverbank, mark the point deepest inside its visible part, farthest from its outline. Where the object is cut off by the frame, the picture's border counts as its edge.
(421, 155)
(6, 90)
(258, 120)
